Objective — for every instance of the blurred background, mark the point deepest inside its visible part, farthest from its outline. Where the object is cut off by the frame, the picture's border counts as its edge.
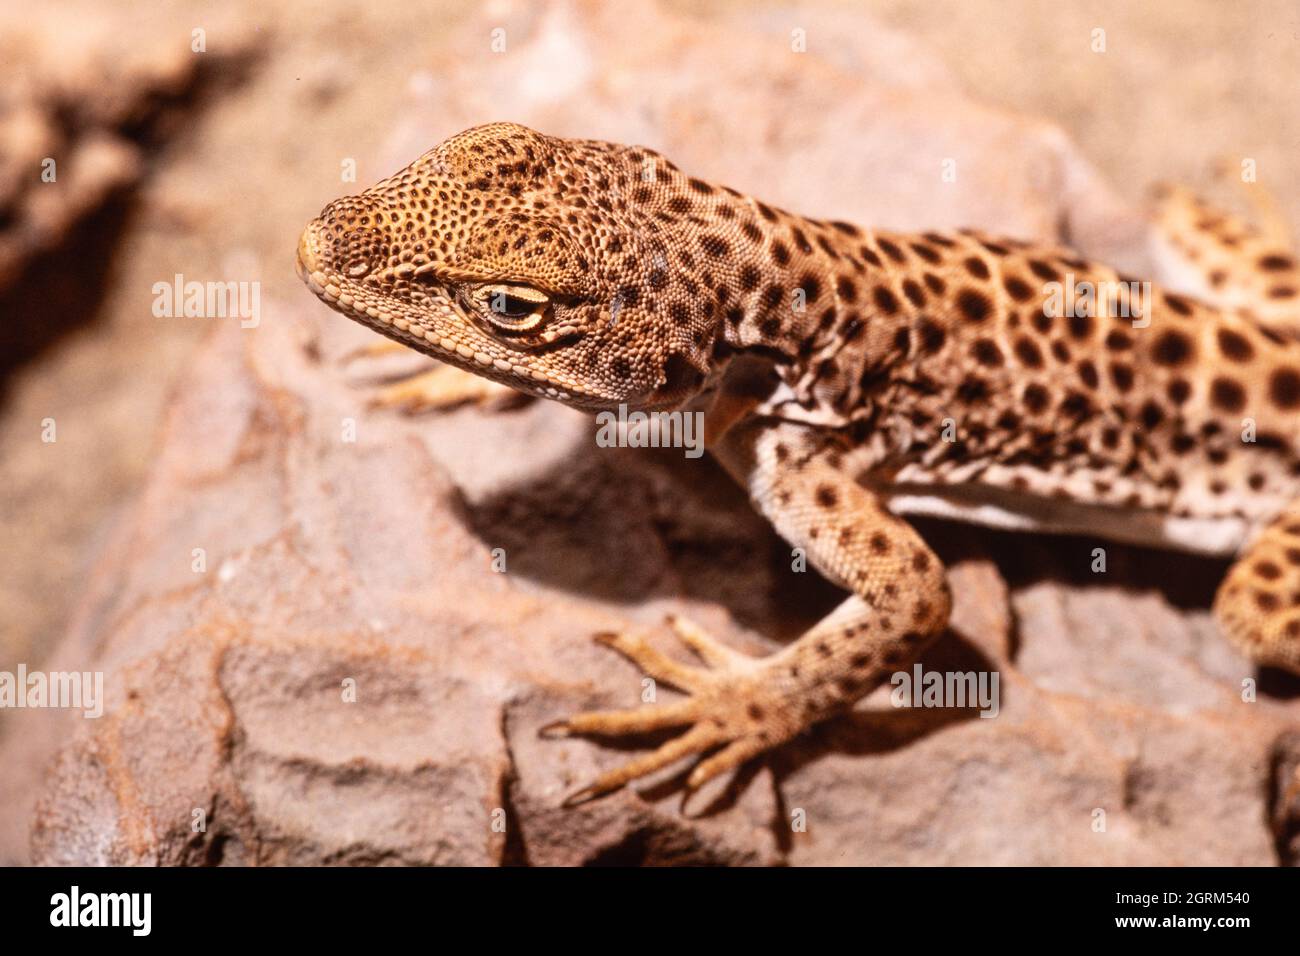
(198, 138)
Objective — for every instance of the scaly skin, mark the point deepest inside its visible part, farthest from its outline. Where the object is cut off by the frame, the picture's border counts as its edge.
(847, 376)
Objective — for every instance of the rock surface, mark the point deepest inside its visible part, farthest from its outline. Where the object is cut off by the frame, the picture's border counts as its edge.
(332, 567)
(93, 103)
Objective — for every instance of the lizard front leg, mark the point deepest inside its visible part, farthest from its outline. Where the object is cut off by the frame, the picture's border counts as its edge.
(741, 706)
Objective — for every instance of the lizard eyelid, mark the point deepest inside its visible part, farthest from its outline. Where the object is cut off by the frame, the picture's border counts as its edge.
(512, 308)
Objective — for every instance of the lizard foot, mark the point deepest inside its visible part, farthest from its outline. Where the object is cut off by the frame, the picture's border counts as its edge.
(444, 387)
(436, 389)
(738, 706)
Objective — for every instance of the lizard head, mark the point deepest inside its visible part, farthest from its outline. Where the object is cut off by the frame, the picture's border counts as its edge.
(542, 263)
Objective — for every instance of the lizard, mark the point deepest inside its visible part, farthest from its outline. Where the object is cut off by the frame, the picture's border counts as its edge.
(849, 378)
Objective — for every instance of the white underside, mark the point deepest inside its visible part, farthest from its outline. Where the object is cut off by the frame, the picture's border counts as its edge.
(993, 508)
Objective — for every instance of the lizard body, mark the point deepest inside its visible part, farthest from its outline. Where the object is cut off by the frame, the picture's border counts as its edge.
(849, 376)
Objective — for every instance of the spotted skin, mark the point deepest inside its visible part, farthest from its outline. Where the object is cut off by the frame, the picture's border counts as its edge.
(1259, 601)
(1223, 258)
(847, 377)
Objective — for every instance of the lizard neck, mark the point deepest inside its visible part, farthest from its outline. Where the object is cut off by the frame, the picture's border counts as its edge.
(814, 298)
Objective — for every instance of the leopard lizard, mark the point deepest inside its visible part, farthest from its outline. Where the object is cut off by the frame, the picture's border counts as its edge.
(849, 377)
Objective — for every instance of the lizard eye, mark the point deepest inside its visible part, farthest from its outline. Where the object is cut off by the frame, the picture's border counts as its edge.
(512, 308)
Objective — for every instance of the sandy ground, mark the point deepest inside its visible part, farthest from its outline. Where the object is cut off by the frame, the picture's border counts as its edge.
(1179, 85)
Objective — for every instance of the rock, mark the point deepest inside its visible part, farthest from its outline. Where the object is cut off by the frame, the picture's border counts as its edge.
(91, 102)
(75, 118)
(307, 647)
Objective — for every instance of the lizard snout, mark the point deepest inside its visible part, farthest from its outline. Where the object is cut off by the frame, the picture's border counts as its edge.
(309, 249)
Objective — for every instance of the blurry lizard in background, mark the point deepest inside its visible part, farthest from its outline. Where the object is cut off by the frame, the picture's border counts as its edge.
(847, 377)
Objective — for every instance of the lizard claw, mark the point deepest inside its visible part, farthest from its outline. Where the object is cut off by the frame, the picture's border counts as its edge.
(555, 730)
(579, 797)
